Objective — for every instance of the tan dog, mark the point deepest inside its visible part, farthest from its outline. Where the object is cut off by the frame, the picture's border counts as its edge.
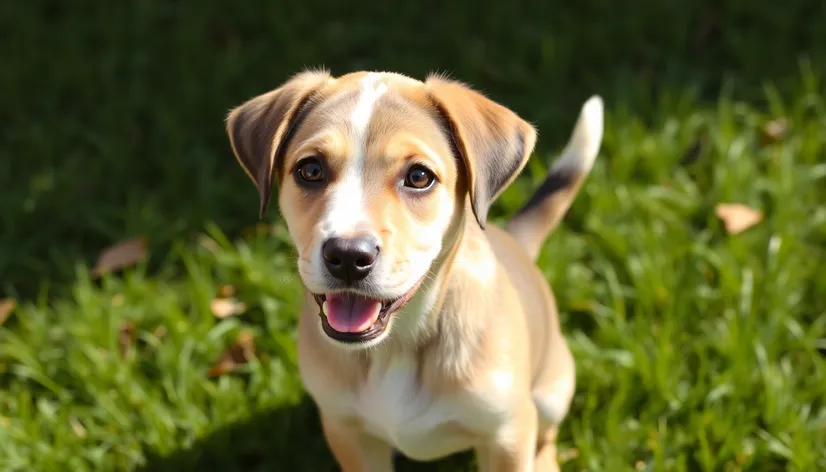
(423, 329)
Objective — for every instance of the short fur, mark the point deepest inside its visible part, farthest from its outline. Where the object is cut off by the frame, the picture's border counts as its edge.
(476, 359)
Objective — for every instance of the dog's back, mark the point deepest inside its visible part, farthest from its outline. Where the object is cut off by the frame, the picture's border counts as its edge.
(517, 246)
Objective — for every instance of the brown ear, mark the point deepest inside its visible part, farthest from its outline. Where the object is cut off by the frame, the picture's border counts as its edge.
(259, 128)
(493, 141)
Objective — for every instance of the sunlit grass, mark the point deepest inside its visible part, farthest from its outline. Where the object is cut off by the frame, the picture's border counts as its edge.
(695, 349)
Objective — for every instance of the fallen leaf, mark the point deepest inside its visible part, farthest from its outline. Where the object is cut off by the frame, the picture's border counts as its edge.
(259, 229)
(773, 130)
(126, 337)
(226, 307)
(7, 306)
(226, 291)
(737, 217)
(123, 254)
(160, 331)
(239, 353)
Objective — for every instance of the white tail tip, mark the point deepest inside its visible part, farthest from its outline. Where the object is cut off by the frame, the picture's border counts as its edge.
(586, 139)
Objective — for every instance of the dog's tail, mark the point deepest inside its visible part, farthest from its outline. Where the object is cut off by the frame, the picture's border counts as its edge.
(540, 215)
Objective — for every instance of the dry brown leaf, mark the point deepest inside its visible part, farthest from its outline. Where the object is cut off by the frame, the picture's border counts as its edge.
(737, 217)
(241, 351)
(7, 306)
(258, 229)
(773, 131)
(226, 307)
(226, 291)
(160, 331)
(126, 337)
(123, 254)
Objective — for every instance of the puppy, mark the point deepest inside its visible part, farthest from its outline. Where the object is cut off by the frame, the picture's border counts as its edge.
(424, 329)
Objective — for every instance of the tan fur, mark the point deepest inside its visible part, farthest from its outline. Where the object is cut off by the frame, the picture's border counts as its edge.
(476, 359)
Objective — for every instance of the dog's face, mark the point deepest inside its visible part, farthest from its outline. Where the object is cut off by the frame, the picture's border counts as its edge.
(373, 171)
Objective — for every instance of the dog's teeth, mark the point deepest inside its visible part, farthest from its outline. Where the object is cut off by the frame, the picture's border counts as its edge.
(324, 307)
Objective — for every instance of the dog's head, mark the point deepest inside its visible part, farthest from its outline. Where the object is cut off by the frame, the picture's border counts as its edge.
(373, 173)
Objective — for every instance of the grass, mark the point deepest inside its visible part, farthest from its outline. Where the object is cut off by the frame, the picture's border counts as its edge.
(696, 350)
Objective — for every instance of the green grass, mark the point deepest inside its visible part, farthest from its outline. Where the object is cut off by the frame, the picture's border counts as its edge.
(696, 350)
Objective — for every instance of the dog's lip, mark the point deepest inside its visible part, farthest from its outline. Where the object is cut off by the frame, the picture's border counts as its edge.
(388, 307)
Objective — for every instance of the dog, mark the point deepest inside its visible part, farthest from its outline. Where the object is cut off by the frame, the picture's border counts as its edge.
(424, 329)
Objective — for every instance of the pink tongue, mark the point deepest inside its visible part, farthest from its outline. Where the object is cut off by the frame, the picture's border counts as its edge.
(347, 313)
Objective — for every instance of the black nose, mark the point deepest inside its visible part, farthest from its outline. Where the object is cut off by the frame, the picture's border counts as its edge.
(350, 259)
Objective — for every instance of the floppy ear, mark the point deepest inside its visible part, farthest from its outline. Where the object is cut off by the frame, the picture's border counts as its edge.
(260, 128)
(493, 141)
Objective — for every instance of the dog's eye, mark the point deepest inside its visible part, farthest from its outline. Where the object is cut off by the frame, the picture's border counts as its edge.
(311, 170)
(419, 178)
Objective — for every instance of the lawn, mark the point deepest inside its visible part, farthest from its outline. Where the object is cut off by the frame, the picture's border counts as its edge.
(698, 349)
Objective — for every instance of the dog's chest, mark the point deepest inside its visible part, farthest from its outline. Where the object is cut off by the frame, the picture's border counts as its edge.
(393, 405)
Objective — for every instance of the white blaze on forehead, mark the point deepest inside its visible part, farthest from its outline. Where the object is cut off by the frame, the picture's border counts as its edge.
(371, 90)
(346, 207)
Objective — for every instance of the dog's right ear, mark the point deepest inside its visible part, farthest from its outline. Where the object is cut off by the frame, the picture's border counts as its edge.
(493, 142)
(259, 128)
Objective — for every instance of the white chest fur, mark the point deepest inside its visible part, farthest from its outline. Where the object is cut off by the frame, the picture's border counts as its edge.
(393, 405)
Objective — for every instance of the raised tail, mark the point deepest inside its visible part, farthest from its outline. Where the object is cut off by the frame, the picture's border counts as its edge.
(540, 215)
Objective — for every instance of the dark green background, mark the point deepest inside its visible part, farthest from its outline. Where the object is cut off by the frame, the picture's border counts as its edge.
(112, 112)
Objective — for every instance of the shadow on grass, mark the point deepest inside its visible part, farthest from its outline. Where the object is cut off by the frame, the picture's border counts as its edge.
(284, 439)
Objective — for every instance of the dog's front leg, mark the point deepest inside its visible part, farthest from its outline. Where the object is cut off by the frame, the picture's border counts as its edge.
(354, 450)
(512, 448)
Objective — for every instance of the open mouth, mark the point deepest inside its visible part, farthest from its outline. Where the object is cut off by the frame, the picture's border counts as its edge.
(349, 317)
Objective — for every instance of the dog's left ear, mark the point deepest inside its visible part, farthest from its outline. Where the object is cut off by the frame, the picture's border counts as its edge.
(259, 128)
(494, 143)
